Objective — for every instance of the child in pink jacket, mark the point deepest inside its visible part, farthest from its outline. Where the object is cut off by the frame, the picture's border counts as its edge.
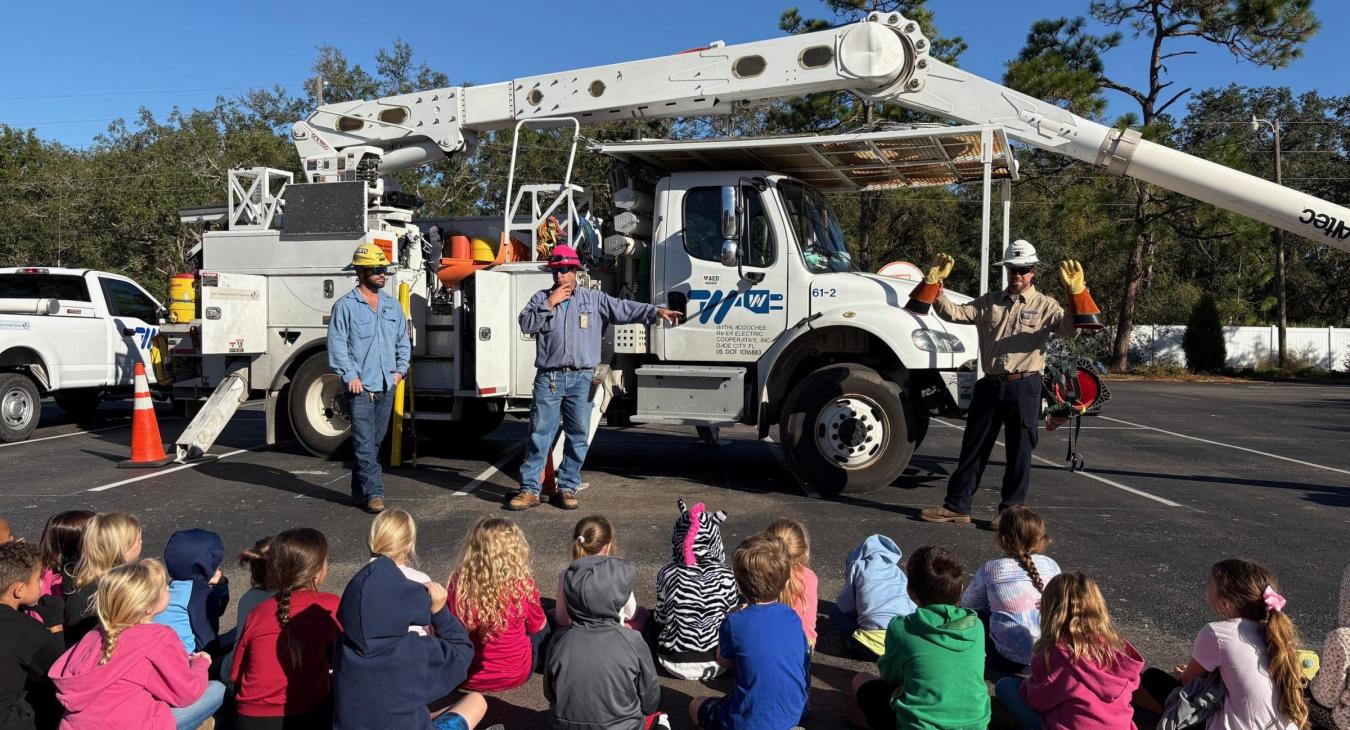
(131, 673)
(1081, 681)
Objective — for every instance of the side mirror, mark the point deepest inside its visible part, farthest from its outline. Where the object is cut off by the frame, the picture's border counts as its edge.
(730, 253)
(731, 213)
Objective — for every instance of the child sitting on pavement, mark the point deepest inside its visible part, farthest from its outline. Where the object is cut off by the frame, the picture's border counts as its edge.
(1330, 706)
(694, 592)
(801, 590)
(932, 673)
(110, 539)
(198, 592)
(27, 649)
(875, 591)
(599, 673)
(594, 535)
(393, 534)
(1006, 592)
(763, 644)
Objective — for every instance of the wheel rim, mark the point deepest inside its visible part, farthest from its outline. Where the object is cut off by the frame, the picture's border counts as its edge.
(325, 406)
(16, 408)
(852, 431)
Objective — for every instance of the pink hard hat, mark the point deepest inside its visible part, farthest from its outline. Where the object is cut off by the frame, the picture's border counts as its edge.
(563, 257)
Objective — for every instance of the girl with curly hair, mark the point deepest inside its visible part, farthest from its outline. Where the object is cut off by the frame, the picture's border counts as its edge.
(493, 593)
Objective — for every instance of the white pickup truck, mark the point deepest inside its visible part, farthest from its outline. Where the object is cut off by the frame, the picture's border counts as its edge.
(73, 334)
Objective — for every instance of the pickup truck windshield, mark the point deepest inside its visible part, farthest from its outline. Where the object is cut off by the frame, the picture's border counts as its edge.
(42, 286)
(818, 233)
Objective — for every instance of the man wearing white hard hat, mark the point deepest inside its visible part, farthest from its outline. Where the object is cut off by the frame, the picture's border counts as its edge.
(1014, 325)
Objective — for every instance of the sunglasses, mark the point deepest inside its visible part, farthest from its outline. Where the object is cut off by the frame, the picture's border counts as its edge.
(1020, 270)
(564, 270)
(377, 271)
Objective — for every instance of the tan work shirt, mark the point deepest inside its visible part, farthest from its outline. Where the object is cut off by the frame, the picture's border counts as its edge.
(1013, 328)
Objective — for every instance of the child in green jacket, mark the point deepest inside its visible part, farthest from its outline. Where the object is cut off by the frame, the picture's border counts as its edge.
(932, 674)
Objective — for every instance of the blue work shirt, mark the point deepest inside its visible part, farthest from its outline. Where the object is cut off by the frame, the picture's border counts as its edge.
(568, 336)
(366, 344)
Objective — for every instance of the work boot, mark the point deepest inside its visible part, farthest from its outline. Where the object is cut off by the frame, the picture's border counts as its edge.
(375, 505)
(523, 500)
(994, 523)
(567, 499)
(942, 514)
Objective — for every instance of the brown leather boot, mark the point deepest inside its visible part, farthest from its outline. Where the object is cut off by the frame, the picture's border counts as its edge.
(566, 499)
(375, 505)
(523, 500)
(942, 514)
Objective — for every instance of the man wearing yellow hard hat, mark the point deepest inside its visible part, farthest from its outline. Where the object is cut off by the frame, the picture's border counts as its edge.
(368, 347)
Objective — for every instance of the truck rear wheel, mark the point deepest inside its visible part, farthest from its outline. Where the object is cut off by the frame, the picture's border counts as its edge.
(318, 407)
(79, 405)
(845, 429)
(19, 407)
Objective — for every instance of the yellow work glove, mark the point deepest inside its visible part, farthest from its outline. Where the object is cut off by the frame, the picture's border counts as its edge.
(942, 266)
(1071, 273)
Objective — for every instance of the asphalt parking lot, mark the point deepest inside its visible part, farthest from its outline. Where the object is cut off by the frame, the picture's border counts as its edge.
(1179, 475)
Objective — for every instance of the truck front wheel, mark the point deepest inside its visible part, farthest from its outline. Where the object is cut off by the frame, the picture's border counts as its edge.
(19, 407)
(844, 429)
(318, 407)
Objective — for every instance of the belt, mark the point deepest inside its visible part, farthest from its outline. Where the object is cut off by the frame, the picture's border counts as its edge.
(563, 370)
(1009, 377)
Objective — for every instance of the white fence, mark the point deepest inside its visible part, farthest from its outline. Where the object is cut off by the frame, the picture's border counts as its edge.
(1249, 347)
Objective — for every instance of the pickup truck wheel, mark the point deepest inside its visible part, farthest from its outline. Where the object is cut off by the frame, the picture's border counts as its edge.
(845, 429)
(79, 405)
(318, 407)
(19, 407)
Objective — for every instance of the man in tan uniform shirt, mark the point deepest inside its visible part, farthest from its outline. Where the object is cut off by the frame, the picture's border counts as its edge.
(1014, 325)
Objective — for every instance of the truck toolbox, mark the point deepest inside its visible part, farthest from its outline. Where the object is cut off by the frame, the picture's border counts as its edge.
(690, 395)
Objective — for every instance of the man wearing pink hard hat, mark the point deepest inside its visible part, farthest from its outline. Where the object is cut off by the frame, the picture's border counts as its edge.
(567, 323)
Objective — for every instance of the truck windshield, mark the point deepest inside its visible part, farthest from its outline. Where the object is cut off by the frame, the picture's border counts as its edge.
(40, 286)
(816, 227)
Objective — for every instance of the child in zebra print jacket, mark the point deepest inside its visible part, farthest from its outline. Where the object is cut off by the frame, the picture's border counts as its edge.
(694, 592)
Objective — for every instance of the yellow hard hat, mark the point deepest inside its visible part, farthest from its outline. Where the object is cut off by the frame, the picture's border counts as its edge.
(369, 256)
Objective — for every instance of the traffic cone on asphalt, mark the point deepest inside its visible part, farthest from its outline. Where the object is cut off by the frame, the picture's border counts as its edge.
(548, 484)
(147, 450)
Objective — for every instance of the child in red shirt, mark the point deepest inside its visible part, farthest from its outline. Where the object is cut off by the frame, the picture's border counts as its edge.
(493, 593)
(281, 664)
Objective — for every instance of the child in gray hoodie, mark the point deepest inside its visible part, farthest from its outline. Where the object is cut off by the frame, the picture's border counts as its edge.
(599, 673)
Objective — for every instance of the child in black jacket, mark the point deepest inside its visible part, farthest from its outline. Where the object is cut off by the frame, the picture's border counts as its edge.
(27, 648)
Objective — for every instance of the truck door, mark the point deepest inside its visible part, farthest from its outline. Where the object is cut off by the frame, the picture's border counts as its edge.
(727, 318)
(134, 320)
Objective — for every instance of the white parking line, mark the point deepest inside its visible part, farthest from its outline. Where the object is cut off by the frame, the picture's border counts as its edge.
(1089, 475)
(180, 467)
(64, 435)
(510, 454)
(1231, 446)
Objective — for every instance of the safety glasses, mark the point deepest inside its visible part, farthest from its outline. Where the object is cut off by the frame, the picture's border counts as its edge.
(564, 270)
(1020, 270)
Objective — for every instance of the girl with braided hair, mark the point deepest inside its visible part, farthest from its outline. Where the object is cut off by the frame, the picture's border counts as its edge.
(133, 673)
(1006, 592)
(282, 661)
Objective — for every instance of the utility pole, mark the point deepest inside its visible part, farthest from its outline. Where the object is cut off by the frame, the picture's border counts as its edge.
(318, 89)
(1277, 236)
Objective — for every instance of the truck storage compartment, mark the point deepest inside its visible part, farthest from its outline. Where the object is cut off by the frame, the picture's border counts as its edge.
(696, 395)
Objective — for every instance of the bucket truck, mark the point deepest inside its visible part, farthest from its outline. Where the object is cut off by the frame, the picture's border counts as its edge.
(781, 329)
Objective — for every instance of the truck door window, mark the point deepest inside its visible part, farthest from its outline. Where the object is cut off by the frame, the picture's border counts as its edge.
(125, 300)
(703, 228)
(43, 286)
(818, 232)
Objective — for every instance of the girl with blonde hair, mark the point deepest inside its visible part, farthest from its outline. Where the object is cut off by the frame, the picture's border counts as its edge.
(800, 591)
(1082, 672)
(132, 672)
(1006, 592)
(393, 534)
(109, 540)
(494, 594)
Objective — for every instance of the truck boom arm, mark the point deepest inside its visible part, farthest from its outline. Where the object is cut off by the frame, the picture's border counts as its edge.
(884, 59)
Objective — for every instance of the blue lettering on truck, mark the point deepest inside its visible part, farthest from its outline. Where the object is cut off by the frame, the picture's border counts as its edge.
(718, 303)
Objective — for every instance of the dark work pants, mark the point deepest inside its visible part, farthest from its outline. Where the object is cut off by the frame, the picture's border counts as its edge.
(1014, 407)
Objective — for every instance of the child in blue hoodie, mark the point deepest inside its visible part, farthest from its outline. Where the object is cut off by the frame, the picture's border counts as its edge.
(198, 592)
(875, 591)
(384, 675)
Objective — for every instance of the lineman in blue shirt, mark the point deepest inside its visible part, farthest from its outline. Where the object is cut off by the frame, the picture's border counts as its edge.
(368, 347)
(567, 323)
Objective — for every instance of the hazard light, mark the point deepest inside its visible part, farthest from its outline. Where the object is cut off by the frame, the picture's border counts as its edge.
(32, 270)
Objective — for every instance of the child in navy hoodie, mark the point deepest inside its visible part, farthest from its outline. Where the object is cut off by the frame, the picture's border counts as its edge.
(198, 592)
(384, 675)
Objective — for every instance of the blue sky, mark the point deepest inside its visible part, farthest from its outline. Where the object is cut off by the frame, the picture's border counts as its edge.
(73, 69)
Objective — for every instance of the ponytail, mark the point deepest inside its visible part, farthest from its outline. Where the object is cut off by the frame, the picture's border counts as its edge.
(1285, 667)
(1252, 593)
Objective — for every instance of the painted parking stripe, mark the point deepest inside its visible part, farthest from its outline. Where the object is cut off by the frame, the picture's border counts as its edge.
(180, 467)
(1087, 474)
(66, 435)
(1232, 446)
(477, 482)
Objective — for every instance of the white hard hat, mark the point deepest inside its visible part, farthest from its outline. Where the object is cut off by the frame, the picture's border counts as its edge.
(1019, 253)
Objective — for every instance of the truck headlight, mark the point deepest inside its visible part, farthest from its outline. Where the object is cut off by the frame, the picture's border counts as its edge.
(935, 341)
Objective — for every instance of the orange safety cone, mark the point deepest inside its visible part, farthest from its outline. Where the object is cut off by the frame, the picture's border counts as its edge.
(147, 450)
(548, 485)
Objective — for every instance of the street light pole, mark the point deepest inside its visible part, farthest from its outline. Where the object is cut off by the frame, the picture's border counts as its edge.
(1277, 236)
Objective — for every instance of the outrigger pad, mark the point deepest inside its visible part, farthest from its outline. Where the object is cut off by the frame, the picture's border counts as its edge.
(922, 298)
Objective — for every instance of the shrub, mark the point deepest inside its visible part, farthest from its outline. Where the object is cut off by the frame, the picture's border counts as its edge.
(1203, 342)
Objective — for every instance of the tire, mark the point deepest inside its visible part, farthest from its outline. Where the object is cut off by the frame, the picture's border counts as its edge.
(478, 418)
(846, 430)
(78, 405)
(20, 407)
(317, 406)
(918, 427)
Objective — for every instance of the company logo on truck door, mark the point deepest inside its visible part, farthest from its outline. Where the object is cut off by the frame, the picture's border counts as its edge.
(718, 303)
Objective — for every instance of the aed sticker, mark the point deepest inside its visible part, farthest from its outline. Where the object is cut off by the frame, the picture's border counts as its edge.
(711, 279)
(9, 324)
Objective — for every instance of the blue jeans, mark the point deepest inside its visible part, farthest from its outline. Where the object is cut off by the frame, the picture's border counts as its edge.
(1006, 690)
(190, 717)
(561, 397)
(370, 422)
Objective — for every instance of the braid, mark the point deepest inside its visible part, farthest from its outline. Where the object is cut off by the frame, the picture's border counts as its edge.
(1029, 565)
(284, 607)
(109, 645)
